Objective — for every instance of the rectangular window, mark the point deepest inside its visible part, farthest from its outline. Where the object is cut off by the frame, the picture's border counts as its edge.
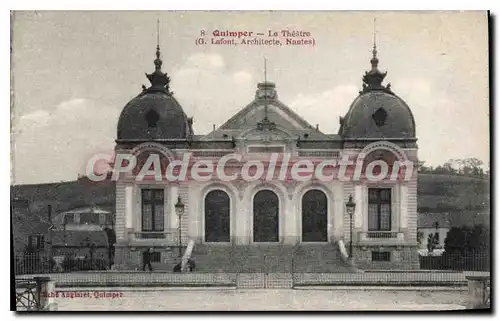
(381, 256)
(89, 218)
(36, 242)
(152, 210)
(379, 209)
(69, 219)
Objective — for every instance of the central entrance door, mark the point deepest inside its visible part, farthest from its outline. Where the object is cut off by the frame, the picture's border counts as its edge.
(266, 217)
(314, 217)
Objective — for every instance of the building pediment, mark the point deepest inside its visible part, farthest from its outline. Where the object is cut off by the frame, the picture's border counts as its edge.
(266, 134)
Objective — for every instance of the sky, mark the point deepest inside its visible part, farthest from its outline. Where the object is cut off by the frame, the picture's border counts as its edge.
(74, 71)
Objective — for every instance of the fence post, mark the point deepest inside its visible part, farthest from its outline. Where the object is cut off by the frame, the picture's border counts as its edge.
(44, 294)
(478, 291)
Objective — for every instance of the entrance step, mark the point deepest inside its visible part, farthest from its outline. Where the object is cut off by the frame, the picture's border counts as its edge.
(319, 258)
(243, 258)
(269, 258)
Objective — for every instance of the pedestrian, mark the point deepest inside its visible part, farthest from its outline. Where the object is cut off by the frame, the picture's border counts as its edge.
(146, 259)
(191, 265)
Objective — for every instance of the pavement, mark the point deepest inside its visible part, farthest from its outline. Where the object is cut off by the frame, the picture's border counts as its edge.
(265, 300)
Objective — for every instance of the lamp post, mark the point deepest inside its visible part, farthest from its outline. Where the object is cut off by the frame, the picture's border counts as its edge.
(179, 210)
(350, 207)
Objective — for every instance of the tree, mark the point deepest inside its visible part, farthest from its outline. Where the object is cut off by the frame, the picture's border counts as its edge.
(455, 240)
(422, 168)
(466, 239)
(479, 238)
(432, 242)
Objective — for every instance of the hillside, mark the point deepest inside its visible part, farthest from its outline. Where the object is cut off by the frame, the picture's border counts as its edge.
(65, 195)
(436, 193)
(443, 193)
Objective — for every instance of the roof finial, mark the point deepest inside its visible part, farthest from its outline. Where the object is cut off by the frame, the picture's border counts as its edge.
(158, 79)
(158, 61)
(158, 33)
(372, 80)
(265, 70)
(265, 82)
(265, 124)
(374, 60)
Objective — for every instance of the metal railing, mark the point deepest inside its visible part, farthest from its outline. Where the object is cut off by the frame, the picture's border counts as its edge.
(41, 263)
(381, 234)
(376, 237)
(151, 235)
(26, 299)
(35, 294)
(459, 261)
(168, 237)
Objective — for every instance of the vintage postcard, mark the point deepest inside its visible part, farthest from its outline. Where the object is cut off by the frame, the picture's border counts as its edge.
(250, 160)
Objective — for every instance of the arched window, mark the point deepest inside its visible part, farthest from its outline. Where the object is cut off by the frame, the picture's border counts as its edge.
(266, 217)
(314, 216)
(217, 217)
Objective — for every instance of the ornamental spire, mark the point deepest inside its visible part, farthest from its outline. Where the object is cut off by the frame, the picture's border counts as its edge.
(266, 124)
(374, 60)
(265, 81)
(158, 79)
(372, 80)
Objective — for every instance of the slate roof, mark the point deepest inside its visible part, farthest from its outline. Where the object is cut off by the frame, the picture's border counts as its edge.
(359, 121)
(172, 122)
(79, 238)
(277, 112)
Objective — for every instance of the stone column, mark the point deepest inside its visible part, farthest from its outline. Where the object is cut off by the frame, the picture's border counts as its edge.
(291, 216)
(129, 212)
(45, 289)
(195, 212)
(403, 209)
(244, 230)
(478, 292)
(174, 220)
(337, 212)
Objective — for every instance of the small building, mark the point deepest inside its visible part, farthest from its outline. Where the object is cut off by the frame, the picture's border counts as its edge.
(80, 243)
(432, 227)
(84, 219)
(437, 225)
(28, 228)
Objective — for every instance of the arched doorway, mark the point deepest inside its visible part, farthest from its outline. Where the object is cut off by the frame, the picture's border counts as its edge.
(266, 217)
(314, 216)
(217, 217)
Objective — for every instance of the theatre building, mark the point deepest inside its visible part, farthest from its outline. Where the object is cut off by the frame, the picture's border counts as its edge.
(252, 225)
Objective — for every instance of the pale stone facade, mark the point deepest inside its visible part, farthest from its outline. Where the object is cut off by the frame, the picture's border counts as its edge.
(265, 126)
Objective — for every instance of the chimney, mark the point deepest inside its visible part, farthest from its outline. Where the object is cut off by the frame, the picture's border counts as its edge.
(49, 211)
(317, 127)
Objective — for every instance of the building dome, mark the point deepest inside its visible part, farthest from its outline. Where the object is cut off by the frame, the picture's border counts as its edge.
(154, 114)
(377, 113)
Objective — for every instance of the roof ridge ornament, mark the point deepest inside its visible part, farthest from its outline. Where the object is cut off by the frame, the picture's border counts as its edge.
(372, 80)
(158, 79)
(266, 124)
